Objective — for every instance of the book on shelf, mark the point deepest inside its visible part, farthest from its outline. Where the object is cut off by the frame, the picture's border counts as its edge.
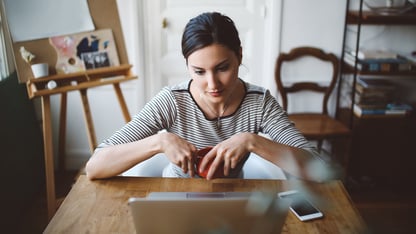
(411, 57)
(388, 110)
(374, 92)
(399, 106)
(395, 64)
(371, 83)
(368, 85)
(374, 54)
(377, 100)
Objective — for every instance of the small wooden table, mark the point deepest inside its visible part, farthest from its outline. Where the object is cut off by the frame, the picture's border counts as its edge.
(100, 206)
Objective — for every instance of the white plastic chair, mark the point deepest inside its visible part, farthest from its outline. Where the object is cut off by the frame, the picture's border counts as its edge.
(254, 168)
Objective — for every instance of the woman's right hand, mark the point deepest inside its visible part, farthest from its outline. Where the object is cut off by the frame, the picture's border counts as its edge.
(179, 151)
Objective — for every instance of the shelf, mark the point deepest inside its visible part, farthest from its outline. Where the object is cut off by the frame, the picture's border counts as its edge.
(371, 18)
(347, 68)
(375, 116)
(79, 80)
(345, 112)
(376, 137)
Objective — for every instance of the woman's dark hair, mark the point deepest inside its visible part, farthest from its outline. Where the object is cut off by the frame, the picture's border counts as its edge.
(209, 28)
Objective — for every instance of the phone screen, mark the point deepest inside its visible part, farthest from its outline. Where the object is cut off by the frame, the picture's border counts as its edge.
(301, 205)
(302, 208)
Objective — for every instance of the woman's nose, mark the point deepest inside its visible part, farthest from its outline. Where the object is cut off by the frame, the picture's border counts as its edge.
(212, 80)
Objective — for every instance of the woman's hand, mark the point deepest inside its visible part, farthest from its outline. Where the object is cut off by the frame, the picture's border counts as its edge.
(231, 152)
(179, 152)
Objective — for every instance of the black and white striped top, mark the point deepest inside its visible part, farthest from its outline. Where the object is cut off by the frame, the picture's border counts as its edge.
(174, 109)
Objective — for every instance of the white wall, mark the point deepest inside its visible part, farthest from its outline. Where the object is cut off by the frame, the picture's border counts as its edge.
(304, 22)
(318, 23)
(105, 110)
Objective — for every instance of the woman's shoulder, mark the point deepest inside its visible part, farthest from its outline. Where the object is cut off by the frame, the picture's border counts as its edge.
(172, 91)
(258, 95)
(180, 87)
(255, 89)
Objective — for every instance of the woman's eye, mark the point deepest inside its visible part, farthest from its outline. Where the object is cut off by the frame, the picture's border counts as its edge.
(199, 72)
(223, 68)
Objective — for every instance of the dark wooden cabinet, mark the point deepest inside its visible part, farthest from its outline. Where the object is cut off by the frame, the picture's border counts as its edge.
(381, 146)
(384, 147)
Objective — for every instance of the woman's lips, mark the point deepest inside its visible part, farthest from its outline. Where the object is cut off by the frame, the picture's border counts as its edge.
(215, 93)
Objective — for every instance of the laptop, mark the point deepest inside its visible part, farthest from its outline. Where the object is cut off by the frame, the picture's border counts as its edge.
(208, 213)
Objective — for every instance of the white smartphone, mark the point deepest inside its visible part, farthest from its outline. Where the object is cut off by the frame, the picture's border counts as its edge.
(300, 206)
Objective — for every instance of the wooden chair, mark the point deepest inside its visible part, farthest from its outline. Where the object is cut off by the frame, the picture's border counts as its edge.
(315, 126)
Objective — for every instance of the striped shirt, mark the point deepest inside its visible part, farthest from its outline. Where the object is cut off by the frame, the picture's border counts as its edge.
(175, 110)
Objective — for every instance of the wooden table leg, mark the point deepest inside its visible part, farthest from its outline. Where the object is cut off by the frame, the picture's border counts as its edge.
(62, 131)
(88, 120)
(122, 102)
(48, 148)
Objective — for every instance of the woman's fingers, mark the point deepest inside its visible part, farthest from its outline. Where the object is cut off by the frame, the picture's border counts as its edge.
(186, 162)
(207, 159)
(191, 167)
(220, 162)
(227, 165)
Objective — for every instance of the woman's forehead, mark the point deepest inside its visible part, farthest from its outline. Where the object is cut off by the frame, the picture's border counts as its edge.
(210, 56)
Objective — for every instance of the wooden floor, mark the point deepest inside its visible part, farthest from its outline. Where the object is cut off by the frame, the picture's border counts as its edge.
(385, 208)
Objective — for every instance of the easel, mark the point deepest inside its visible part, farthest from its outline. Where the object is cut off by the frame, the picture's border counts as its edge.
(96, 78)
(105, 15)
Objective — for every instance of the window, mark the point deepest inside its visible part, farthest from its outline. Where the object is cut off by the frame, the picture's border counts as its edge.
(3, 55)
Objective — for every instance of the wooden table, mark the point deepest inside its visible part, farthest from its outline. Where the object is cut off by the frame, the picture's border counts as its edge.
(100, 206)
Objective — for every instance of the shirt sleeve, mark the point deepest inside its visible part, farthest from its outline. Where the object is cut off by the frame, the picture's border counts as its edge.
(156, 115)
(277, 125)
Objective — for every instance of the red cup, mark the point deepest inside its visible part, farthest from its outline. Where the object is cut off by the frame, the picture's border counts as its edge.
(219, 173)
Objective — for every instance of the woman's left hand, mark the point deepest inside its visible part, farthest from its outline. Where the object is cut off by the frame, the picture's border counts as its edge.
(229, 152)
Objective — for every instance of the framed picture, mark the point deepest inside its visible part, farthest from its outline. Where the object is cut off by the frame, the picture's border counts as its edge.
(95, 59)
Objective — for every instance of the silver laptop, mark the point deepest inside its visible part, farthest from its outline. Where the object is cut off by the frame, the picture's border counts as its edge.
(225, 213)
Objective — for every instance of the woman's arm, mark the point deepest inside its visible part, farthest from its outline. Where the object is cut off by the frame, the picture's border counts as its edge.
(295, 161)
(298, 162)
(113, 160)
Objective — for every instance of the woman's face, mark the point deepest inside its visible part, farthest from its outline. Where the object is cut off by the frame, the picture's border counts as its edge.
(214, 70)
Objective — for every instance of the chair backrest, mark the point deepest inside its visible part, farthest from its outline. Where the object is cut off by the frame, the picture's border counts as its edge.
(314, 86)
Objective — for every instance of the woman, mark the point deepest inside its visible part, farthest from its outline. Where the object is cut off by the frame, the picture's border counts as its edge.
(214, 108)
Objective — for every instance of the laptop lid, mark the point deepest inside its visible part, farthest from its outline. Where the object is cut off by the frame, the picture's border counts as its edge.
(197, 195)
(245, 215)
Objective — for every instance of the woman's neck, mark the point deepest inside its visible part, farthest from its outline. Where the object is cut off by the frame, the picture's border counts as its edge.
(217, 110)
